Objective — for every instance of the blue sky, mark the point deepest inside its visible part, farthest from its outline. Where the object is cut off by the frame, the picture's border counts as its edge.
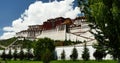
(11, 10)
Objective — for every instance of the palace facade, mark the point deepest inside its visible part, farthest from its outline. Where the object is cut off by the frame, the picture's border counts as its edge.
(59, 29)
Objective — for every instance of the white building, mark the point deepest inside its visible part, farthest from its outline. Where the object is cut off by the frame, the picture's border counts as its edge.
(76, 29)
(60, 29)
(31, 32)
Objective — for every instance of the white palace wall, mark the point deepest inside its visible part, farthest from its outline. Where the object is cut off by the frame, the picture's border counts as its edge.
(53, 34)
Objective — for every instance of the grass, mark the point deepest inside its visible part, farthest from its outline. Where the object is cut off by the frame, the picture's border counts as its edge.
(20, 62)
(61, 61)
(81, 61)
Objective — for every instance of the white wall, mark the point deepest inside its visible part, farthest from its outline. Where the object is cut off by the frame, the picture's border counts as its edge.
(68, 50)
(53, 34)
(60, 35)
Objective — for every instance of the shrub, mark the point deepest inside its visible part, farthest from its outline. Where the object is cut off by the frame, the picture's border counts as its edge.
(21, 54)
(9, 56)
(99, 55)
(29, 55)
(46, 57)
(63, 55)
(100, 51)
(3, 56)
(15, 54)
(74, 54)
(85, 54)
(67, 42)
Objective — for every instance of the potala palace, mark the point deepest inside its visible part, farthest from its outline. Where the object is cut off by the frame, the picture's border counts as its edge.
(60, 29)
(63, 29)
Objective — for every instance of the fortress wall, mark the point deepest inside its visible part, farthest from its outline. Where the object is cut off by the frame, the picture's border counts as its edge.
(21, 34)
(53, 34)
(60, 35)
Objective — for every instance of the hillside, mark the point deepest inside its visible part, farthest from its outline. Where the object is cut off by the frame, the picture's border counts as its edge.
(7, 42)
(30, 44)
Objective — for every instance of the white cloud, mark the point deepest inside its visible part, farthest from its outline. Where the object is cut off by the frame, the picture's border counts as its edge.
(7, 35)
(39, 12)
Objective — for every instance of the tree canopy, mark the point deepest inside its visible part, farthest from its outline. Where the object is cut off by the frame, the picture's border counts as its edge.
(103, 16)
(42, 47)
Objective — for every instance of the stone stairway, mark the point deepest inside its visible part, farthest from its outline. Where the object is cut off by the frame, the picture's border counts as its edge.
(11, 44)
(83, 35)
(3, 46)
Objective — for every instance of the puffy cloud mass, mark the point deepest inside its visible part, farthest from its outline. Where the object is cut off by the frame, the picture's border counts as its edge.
(39, 12)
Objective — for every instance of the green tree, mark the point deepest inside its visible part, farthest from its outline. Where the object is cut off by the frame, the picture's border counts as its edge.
(100, 52)
(63, 55)
(15, 54)
(98, 55)
(29, 54)
(27, 43)
(46, 57)
(41, 46)
(67, 42)
(3, 56)
(9, 56)
(104, 18)
(74, 54)
(85, 54)
(113, 53)
(21, 54)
